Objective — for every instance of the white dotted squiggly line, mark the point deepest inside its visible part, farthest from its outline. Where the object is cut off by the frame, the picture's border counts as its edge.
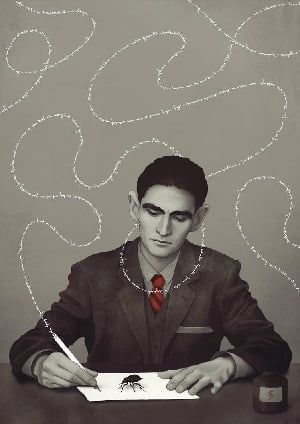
(64, 12)
(162, 112)
(239, 226)
(210, 97)
(178, 52)
(50, 50)
(233, 41)
(119, 161)
(42, 221)
(174, 286)
(78, 132)
(52, 196)
(9, 48)
(246, 21)
(42, 71)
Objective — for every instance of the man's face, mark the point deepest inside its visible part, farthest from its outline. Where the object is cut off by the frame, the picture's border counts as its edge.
(166, 217)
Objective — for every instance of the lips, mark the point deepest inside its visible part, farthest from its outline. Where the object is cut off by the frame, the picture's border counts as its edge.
(161, 241)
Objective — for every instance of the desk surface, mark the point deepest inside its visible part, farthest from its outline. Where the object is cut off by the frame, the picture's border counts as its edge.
(29, 403)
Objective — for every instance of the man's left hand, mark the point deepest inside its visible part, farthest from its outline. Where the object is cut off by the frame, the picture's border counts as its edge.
(196, 377)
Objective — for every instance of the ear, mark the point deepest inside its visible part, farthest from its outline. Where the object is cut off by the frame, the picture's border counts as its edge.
(134, 205)
(199, 216)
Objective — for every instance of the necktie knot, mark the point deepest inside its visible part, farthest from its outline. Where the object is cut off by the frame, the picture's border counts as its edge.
(158, 281)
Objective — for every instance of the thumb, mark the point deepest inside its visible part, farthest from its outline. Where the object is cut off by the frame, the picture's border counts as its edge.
(217, 386)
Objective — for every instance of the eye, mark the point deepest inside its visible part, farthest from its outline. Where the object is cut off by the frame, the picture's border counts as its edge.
(180, 218)
(153, 212)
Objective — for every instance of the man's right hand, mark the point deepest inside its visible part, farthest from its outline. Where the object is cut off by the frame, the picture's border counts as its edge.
(57, 371)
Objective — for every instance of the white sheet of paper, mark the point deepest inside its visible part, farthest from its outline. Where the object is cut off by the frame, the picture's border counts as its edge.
(154, 388)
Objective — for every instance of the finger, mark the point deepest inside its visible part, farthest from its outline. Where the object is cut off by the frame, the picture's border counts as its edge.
(49, 385)
(203, 382)
(46, 380)
(91, 372)
(189, 380)
(57, 382)
(74, 369)
(216, 387)
(53, 368)
(63, 374)
(178, 378)
(54, 382)
(53, 386)
(169, 373)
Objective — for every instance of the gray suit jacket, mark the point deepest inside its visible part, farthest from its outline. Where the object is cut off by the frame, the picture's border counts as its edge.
(101, 305)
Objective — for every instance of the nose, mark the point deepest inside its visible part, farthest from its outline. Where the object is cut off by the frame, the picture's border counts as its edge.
(164, 226)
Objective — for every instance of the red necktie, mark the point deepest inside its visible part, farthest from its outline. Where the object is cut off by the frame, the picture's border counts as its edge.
(157, 296)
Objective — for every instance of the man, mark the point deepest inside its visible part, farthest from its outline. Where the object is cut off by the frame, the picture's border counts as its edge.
(158, 302)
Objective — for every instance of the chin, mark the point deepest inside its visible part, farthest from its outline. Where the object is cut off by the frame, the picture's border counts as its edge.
(161, 253)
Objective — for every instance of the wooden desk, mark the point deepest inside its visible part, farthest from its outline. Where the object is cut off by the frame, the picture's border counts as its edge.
(29, 403)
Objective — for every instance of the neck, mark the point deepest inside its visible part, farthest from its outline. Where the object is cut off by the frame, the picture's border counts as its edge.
(157, 263)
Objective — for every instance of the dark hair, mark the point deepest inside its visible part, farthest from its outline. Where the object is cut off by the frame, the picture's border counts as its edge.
(174, 171)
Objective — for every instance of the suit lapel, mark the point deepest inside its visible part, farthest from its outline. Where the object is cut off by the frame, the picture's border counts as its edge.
(181, 296)
(131, 296)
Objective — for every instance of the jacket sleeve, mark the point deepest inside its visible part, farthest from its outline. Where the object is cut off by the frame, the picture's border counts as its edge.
(248, 330)
(66, 318)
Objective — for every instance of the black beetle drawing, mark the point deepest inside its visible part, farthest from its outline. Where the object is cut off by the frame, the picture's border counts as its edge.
(132, 381)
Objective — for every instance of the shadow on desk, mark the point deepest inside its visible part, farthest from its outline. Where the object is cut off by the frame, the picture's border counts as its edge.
(28, 403)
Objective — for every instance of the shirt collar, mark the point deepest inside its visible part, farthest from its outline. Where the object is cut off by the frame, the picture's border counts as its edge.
(148, 271)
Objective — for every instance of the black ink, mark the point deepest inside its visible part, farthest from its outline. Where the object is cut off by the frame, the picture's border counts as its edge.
(132, 381)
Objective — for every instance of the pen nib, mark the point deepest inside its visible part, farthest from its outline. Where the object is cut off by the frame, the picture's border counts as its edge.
(97, 387)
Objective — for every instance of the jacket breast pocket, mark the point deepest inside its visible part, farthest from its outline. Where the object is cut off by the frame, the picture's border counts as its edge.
(194, 330)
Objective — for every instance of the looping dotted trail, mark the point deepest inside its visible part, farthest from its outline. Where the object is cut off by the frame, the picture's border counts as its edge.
(42, 71)
(65, 12)
(287, 217)
(56, 196)
(47, 64)
(119, 161)
(233, 42)
(174, 286)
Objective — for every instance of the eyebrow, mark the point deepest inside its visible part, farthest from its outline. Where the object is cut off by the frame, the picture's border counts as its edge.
(188, 214)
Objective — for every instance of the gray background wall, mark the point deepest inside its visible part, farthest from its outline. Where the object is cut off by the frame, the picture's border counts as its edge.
(219, 131)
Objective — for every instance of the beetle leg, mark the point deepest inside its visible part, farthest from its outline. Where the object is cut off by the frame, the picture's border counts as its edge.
(140, 386)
